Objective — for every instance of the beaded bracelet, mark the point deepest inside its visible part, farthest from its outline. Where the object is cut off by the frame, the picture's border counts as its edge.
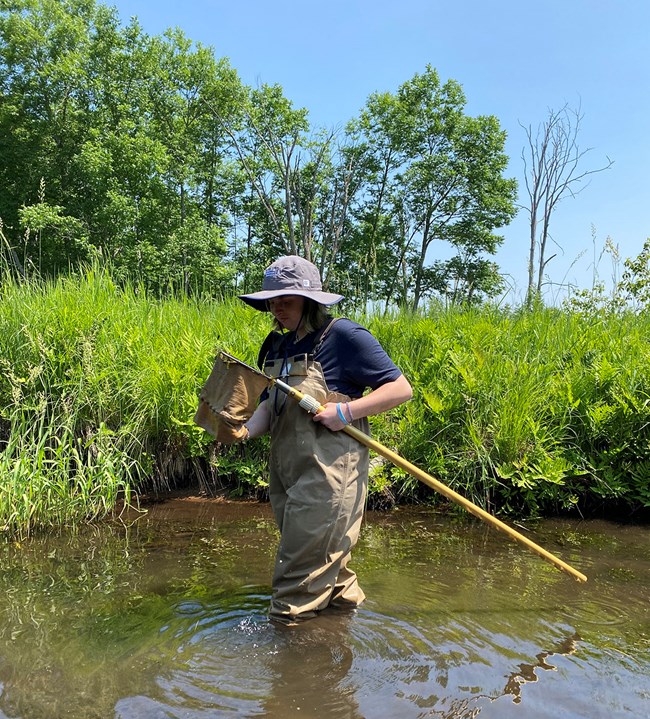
(340, 414)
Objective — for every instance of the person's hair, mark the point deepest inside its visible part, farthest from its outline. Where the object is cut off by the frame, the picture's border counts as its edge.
(314, 316)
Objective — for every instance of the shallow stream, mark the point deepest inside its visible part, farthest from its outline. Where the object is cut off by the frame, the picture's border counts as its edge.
(165, 616)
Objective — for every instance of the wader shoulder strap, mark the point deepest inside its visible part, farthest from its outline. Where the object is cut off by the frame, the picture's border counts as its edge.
(320, 337)
(272, 343)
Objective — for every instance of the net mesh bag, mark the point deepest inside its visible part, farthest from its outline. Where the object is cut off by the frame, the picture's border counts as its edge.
(228, 399)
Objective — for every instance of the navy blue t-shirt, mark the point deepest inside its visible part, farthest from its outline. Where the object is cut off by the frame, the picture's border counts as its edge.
(351, 357)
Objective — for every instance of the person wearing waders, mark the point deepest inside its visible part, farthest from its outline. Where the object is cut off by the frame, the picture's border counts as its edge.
(318, 474)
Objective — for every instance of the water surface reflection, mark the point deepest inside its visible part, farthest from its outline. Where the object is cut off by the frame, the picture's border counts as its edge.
(166, 618)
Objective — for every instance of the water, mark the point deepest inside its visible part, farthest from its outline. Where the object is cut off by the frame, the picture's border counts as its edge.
(165, 616)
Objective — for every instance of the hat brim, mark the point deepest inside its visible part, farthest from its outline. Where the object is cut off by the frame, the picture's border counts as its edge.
(258, 300)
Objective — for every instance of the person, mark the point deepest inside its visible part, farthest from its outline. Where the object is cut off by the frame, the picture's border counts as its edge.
(318, 474)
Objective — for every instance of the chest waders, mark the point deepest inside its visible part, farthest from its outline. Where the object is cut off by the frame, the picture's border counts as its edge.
(318, 484)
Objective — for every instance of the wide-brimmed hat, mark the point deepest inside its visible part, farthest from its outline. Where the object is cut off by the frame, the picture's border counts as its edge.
(290, 275)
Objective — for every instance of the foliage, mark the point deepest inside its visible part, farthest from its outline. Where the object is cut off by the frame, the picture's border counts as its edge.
(50, 476)
(529, 412)
(109, 147)
(522, 412)
(149, 153)
(436, 176)
(144, 186)
(97, 394)
(635, 282)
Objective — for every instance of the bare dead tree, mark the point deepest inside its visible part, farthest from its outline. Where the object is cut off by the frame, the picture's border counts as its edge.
(552, 171)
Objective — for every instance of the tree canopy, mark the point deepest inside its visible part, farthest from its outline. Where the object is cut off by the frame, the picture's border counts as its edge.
(149, 153)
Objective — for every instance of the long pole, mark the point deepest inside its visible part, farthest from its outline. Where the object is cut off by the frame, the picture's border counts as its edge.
(312, 406)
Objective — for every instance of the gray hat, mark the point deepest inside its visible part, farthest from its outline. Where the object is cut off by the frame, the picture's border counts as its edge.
(290, 275)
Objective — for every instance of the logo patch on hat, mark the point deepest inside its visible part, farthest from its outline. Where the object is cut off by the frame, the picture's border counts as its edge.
(306, 283)
(272, 272)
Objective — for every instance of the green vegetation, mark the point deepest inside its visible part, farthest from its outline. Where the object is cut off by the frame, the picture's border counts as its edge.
(525, 413)
(150, 152)
(529, 413)
(148, 155)
(97, 393)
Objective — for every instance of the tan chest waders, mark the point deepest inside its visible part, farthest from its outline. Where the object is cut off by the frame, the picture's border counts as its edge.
(318, 485)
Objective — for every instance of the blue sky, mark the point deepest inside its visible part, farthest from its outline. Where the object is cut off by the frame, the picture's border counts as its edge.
(515, 59)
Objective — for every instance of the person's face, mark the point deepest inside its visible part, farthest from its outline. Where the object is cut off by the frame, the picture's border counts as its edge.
(287, 310)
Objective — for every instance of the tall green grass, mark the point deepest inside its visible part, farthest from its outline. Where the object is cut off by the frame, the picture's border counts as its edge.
(523, 412)
(528, 412)
(98, 387)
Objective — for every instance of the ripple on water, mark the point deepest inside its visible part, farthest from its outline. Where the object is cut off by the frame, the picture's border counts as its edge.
(236, 662)
(213, 660)
(450, 633)
(600, 607)
(461, 666)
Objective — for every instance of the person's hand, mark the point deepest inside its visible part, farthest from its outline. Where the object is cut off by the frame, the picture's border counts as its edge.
(329, 416)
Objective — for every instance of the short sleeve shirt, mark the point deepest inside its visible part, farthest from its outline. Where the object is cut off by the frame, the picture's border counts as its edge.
(352, 359)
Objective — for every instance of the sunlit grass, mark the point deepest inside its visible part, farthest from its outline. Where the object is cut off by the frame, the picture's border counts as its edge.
(534, 411)
(49, 477)
(523, 412)
(98, 386)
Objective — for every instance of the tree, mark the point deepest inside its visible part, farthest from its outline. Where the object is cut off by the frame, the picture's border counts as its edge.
(378, 235)
(268, 143)
(300, 184)
(149, 152)
(635, 283)
(117, 125)
(552, 167)
(438, 176)
(43, 44)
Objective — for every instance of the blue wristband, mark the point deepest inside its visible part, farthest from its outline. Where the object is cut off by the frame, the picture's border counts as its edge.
(340, 414)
